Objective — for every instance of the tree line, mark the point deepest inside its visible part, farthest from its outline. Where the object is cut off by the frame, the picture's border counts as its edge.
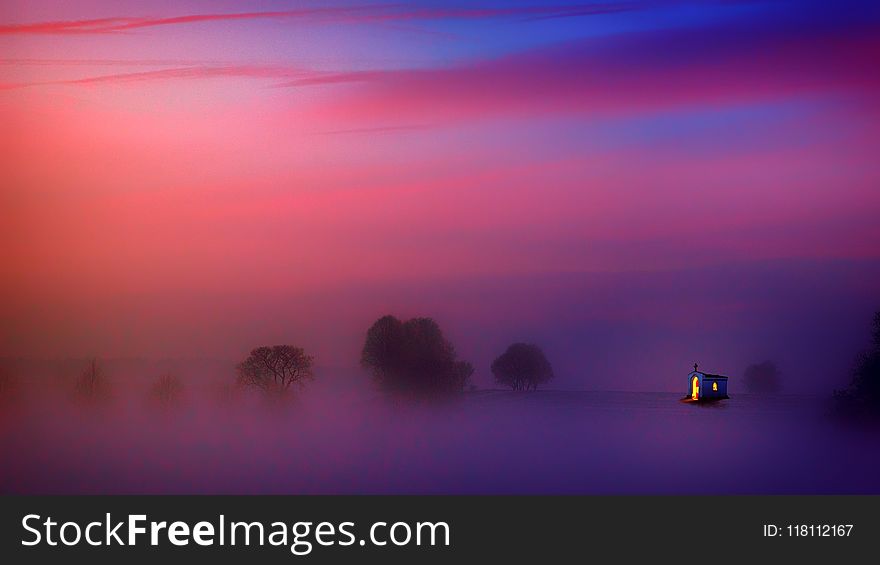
(403, 356)
(415, 357)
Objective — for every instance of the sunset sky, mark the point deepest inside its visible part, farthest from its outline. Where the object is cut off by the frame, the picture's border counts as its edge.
(634, 185)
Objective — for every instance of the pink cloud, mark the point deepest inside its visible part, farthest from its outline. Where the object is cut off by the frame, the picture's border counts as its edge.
(631, 73)
(189, 72)
(247, 71)
(343, 14)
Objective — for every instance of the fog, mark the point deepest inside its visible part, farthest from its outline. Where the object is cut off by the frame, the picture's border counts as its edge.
(636, 331)
(621, 346)
(339, 435)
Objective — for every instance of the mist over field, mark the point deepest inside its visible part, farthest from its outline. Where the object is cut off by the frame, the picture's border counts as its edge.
(306, 246)
(339, 435)
(636, 331)
(610, 421)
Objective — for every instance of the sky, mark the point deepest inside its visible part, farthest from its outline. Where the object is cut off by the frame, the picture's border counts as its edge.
(634, 185)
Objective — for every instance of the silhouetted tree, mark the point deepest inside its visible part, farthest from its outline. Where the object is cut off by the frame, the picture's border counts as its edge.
(413, 356)
(167, 389)
(862, 398)
(383, 349)
(91, 384)
(875, 332)
(274, 369)
(522, 367)
(763, 377)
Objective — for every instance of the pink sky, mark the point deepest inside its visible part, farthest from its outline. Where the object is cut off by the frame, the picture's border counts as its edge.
(154, 156)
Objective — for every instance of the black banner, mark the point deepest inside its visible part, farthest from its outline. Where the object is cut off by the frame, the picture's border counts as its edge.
(434, 529)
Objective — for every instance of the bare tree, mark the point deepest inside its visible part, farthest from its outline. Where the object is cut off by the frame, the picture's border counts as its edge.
(167, 389)
(92, 384)
(274, 369)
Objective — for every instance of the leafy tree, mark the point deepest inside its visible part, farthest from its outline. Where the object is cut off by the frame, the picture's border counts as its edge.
(383, 349)
(875, 332)
(413, 356)
(522, 367)
(862, 398)
(763, 377)
(274, 369)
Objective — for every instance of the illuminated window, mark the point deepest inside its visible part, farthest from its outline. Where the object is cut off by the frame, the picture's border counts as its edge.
(714, 386)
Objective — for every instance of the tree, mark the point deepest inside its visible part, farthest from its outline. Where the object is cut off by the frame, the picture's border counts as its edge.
(413, 356)
(763, 377)
(167, 389)
(522, 367)
(862, 398)
(875, 332)
(92, 385)
(274, 369)
(383, 349)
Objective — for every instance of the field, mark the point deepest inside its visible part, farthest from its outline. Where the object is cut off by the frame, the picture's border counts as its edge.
(338, 437)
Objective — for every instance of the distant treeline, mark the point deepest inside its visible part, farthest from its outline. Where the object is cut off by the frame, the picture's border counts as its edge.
(413, 357)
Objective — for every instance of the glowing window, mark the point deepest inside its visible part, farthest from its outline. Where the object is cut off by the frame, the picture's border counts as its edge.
(714, 386)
